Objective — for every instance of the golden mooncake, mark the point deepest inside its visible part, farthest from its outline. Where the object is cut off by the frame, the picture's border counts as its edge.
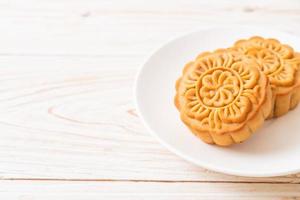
(223, 97)
(281, 65)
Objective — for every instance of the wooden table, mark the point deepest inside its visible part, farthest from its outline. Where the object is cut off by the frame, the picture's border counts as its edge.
(68, 125)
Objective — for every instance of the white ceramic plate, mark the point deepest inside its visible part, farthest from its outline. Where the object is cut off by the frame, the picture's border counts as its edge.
(274, 150)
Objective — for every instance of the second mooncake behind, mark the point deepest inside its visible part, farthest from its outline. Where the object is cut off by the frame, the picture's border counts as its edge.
(281, 65)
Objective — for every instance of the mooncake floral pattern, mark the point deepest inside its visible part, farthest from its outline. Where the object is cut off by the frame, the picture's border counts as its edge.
(220, 89)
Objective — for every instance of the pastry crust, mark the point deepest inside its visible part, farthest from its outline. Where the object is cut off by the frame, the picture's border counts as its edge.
(281, 64)
(223, 97)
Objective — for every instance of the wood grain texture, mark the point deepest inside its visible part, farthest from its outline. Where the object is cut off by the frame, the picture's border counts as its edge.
(66, 103)
(134, 27)
(79, 190)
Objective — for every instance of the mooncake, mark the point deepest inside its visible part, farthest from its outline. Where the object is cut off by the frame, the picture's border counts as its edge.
(281, 65)
(223, 97)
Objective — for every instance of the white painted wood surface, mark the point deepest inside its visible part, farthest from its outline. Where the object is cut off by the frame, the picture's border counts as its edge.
(68, 126)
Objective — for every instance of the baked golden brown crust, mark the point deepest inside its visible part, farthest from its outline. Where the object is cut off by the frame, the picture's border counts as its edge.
(223, 97)
(281, 64)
